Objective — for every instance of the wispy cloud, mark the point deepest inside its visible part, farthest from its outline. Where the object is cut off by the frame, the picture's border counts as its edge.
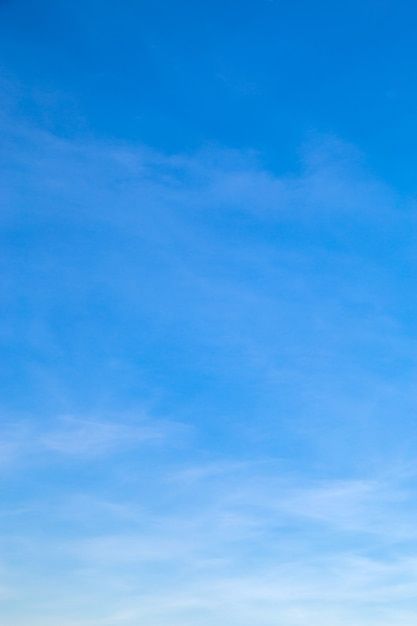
(240, 543)
(79, 437)
(89, 437)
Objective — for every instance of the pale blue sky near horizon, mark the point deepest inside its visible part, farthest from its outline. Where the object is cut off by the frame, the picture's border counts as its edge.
(208, 313)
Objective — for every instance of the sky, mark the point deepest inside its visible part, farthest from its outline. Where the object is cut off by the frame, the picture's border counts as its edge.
(208, 313)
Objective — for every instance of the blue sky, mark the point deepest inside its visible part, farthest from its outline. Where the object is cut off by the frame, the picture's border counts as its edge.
(208, 270)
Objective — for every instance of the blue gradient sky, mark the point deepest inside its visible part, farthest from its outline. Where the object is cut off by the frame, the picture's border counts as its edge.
(208, 313)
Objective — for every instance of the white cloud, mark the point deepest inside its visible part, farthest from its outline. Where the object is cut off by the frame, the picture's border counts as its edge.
(29, 441)
(83, 437)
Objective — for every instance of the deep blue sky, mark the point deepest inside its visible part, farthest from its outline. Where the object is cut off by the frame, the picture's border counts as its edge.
(208, 313)
(258, 75)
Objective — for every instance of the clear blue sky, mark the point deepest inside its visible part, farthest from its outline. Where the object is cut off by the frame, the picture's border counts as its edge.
(208, 313)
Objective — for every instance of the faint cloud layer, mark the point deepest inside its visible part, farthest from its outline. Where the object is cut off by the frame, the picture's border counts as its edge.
(78, 437)
(331, 179)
